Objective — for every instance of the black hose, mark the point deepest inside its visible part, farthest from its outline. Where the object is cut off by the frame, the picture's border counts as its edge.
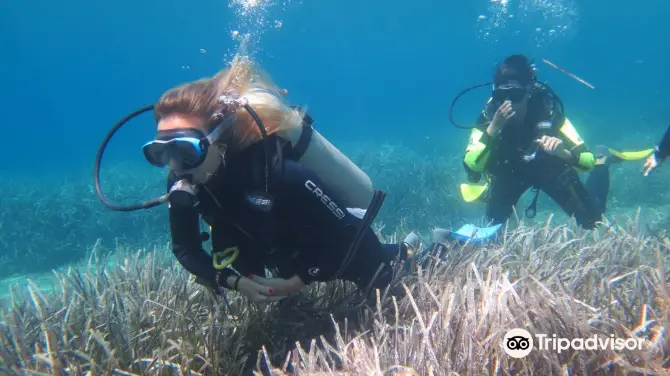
(370, 215)
(451, 108)
(98, 159)
(266, 145)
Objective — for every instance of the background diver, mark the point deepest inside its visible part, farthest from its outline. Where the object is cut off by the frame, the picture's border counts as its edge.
(659, 154)
(275, 193)
(523, 140)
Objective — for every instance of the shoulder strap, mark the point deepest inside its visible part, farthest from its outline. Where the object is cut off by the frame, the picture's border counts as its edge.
(296, 151)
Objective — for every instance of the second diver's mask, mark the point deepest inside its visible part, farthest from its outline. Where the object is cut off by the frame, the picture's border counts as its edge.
(513, 88)
(515, 93)
(512, 92)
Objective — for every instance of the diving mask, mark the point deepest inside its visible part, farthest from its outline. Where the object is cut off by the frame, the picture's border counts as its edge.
(193, 156)
(186, 147)
(514, 93)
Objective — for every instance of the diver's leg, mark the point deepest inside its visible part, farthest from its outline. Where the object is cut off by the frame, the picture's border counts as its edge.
(598, 186)
(598, 182)
(371, 258)
(568, 191)
(503, 195)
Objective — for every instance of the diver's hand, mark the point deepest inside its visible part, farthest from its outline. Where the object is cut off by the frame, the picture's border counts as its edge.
(650, 164)
(280, 286)
(553, 146)
(253, 291)
(501, 118)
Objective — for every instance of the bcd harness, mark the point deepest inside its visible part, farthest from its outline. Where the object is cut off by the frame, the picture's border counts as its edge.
(283, 148)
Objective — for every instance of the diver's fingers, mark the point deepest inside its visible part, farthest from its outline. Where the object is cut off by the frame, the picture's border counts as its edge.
(647, 169)
(549, 145)
(506, 107)
(260, 280)
(278, 286)
(262, 289)
(649, 164)
(259, 298)
(249, 288)
(502, 110)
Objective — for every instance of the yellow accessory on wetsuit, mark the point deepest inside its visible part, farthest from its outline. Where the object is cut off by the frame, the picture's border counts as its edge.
(215, 257)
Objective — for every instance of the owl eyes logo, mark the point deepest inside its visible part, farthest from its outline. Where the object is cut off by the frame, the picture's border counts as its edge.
(517, 343)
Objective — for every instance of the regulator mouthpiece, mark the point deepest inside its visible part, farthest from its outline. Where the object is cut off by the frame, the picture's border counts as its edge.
(183, 194)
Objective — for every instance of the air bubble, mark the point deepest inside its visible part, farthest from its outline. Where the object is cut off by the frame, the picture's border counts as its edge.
(543, 20)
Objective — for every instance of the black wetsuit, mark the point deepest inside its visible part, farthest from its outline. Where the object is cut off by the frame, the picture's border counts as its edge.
(307, 233)
(511, 176)
(663, 150)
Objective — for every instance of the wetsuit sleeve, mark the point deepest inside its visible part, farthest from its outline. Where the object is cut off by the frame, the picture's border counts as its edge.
(663, 148)
(332, 227)
(478, 151)
(187, 246)
(583, 159)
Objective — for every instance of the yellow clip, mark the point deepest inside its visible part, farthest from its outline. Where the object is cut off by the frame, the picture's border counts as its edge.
(215, 256)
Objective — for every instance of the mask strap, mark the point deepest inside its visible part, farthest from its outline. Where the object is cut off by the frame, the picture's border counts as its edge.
(223, 124)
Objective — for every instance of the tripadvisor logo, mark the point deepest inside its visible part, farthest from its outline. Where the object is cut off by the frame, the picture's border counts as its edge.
(518, 343)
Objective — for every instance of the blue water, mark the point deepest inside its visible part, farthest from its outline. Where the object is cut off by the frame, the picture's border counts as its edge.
(374, 69)
(380, 71)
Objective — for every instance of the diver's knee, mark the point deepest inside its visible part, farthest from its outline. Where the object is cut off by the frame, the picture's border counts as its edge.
(497, 217)
(591, 220)
(393, 251)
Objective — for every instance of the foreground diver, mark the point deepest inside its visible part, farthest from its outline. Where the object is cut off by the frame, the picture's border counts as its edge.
(276, 196)
(661, 152)
(524, 140)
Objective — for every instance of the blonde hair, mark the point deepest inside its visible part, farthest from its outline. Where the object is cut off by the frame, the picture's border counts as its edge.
(200, 99)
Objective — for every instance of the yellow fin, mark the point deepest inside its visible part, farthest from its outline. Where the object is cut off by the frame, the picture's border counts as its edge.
(471, 192)
(631, 155)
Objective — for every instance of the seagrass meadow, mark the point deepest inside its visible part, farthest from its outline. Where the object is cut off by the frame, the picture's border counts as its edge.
(96, 292)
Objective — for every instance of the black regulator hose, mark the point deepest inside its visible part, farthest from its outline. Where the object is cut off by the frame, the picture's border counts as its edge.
(451, 108)
(98, 159)
(266, 144)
